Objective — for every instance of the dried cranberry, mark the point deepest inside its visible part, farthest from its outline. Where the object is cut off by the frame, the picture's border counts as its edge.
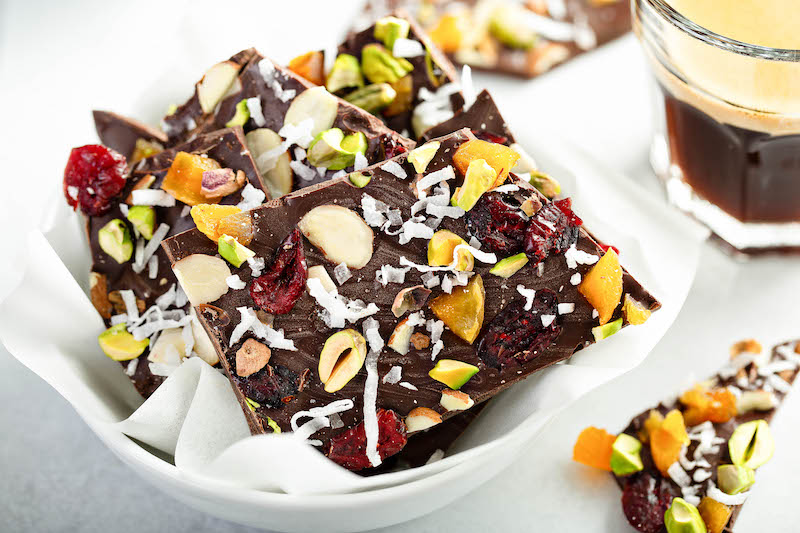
(391, 147)
(645, 499)
(93, 177)
(498, 223)
(349, 448)
(490, 137)
(517, 335)
(271, 385)
(277, 290)
(551, 230)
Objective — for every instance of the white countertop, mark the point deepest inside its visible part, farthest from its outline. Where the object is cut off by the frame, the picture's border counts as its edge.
(55, 475)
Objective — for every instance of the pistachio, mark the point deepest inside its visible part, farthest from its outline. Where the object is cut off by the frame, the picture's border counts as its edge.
(120, 345)
(479, 178)
(755, 400)
(454, 400)
(220, 182)
(422, 418)
(360, 179)
(251, 357)
(341, 358)
(340, 234)
(751, 444)
(373, 97)
(683, 517)
(606, 330)
(453, 373)
(545, 184)
(345, 74)
(380, 66)
(625, 455)
(410, 299)
(333, 150)
(505, 268)
(115, 240)
(202, 277)
(733, 479)
(143, 218)
(241, 116)
(215, 84)
(233, 252)
(508, 26)
(421, 156)
(400, 340)
(389, 29)
(144, 149)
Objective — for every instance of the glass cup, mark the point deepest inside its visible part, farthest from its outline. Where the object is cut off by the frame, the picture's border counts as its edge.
(727, 140)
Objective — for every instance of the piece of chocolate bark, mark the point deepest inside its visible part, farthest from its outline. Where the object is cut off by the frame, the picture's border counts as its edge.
(419, 325)
(132, 285)
(393, 70)
(131, 138)
(321, 136)
(688, 464)
(523, 39)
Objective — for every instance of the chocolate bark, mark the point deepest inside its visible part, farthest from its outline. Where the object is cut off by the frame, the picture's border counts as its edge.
(227, 147)
(305, 327)
(747, 379)
(483, 118)
(121, 133)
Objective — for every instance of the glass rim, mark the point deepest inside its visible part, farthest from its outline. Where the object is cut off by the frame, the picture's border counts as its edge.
(662, 8)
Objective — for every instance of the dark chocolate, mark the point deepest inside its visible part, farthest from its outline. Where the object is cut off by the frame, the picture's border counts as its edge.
(121, 133)
(483, 117)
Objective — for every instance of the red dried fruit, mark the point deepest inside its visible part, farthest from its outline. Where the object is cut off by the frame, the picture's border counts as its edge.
(645, 499)
(277, 290)
(490, 137)
(93, 177)
(272, 385)
(349, 448)
(551, 230)
(517, 335)
(498, 223)
(391, 147)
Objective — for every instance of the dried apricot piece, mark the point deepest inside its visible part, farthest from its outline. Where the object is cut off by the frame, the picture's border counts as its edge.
(652, 423)
(715, 514)
(239, 226)
(634, 311)
(501, 158)
(593, 448)
(185, 177)
(602, 285)
(447, 34)
(674, 424)
(664, 448)
(208, 216)
(462, 310)
(716, 405)
(311, 66)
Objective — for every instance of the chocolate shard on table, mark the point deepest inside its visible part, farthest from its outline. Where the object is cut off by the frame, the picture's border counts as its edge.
(365, 315)
(131, 138)
(321, 136)
(129, 210)
(390, 69)
(689, 463)
(523, 39)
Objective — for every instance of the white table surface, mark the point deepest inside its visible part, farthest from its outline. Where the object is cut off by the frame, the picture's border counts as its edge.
(55, 475)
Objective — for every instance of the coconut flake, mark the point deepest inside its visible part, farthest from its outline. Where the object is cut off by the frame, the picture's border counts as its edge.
(575, 257)
(726, 499)
(575, 279)
(547, 320)
(73, 192)
(299, 134)
(341, 273)
(447, 284)
(679, 475)
(389, 274)
(270, 76)
(256, 265)
(319, 418)
(152, 268)
(508, 188)
(168, 298)
(566, 308)
(438, 455)
(483, 257)
(131, 309)
(407, 48)
(467, 87)
(123, 208)
(361, 162)
(393, 375)
(701, 475)
(251, 197)
(256, 113)
(430, 280)
(434, 178)
(373, 335)
(779, 384)
(235, 283)
(249, 322)
(121, 318)
(370, 413)
(529, 294)
(338, 309)
(444, 211)
(133, 364)
(304, 172)
(776, 367)
(394, 168)
(408, 385)
(153, 197)
(414, 230)
(438, 346)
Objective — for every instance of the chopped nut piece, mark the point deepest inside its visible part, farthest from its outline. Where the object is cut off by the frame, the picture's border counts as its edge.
(119, 304)
(547, 56)
(143, 183)
(422, 418)
(98, 292)
(755, 400)
(420, 341)
(340, 234)
(341, 358)
(251, 357)
(746, 346)
(400, 340)
(454, 400)
(221, 182)
(410, 299)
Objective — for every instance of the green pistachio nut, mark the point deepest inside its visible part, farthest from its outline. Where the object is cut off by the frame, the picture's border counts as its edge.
(505, 268)
(545, 184)
(360, 179)
(252, 404)
(241, 117)
(606, 330)
(452, 373)
(115, 240)
(683, 517)
(435, 74)
(751, 444)
(274, 425)
(380, 66)
(733, 479)
(143, 218)
(508, 25)
(355, 143)
(389, 29)
(480, 176)
(333, 150)
(625, 455)
(345, 74)
(421, 156)
(117, 343)
(373, 97)
(233, 252)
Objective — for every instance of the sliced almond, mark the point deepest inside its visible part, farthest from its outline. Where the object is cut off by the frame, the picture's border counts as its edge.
(454, 400)
(340, 234)
(203, 346)
(755, 400)
(277, 173)
(746, 346)
(341, 358)
(410, 299)
(422, 418)
(547, 56)
(319, 272)
(215, 84)
(143, 183)
(98, 293)
(202, 277)
(400, 340)
(251, 357)
(171, 338)
(316, 104)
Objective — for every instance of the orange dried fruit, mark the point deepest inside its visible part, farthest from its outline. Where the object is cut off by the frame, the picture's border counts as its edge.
(500, 158)
(652, 423)
(185, 177)
(208, 216)
(602, 285)
(664, 448)
(714, 514)
(634, 311)
(593, 448)
(311, 66)
(447, 34)
(462, 310)
(239, 226)
(716, 405)
(674, 425)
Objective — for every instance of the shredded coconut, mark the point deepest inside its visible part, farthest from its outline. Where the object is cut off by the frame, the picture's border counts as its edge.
(566, 308)
(575, 257)
(235, 283)
(389, 274)
(373, 335)
(251, 197)
(408, 385)
(361, 162)
(529, 295)
(254, 107)
(154, 197)
(256, 265)
(130, 370)
(370, 414)
(575, 279)
(342, 273)
(338, 309)
(394, 168)
(547, 320)
(679, 475)
(394, 375)
(407, 48)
